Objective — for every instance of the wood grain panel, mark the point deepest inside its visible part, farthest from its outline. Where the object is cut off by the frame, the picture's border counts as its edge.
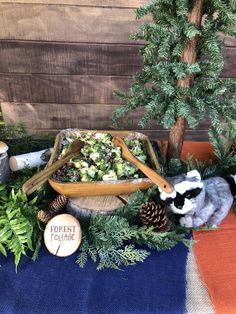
(82, 59)
(66, 23)
(61, 88)
(29, 21)
(67, 58)
(230, 63)
(153, 134)
(229, 41)
(97, 3)
(59, 116)
(199, 135)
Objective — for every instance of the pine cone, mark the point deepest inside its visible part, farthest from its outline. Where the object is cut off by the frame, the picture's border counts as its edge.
(54, 208)
(58, 203)
(233, 147)
(44, 216)
(153, 214)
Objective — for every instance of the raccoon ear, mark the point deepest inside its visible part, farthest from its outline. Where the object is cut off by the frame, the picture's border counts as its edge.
(194, 174)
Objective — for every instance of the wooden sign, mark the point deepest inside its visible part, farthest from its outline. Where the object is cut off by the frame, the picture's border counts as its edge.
(62, 235)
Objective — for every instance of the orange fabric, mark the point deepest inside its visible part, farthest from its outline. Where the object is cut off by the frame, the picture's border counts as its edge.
(216, 259)
(198, 150)
(216, 250)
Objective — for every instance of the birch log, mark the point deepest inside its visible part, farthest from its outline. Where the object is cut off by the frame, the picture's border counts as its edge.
(29, 160)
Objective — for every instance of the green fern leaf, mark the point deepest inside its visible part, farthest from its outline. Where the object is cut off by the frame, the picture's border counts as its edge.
(3, 250)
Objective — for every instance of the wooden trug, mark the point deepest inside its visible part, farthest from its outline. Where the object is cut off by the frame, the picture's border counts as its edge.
(99, 188)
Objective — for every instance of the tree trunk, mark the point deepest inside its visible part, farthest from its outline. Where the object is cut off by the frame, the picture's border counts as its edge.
(176, 134)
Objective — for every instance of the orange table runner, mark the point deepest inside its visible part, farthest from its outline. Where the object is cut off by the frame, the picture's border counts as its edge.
(216, 258)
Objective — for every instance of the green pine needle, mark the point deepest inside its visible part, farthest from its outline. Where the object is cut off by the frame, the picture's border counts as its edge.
(155, 88)
(114, 241)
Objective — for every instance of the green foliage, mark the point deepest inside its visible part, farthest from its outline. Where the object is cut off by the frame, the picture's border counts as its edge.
(155, 87)
(20, 232)
(18, 178)
(20, 142)
(224, 161)
(12, 131)
(19, 229)
(206, 168)
(114, 241)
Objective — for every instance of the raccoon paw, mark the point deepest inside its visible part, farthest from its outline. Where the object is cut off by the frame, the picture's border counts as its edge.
(197, 222)
(186, 221)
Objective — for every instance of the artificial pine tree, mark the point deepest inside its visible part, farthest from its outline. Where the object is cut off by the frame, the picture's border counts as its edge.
(182, 60)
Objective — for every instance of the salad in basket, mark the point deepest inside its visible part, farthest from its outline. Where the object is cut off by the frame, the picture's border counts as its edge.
(100, 160)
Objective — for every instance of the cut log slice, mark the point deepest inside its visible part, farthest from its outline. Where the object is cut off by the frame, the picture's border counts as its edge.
(62, 235)
(89, 205)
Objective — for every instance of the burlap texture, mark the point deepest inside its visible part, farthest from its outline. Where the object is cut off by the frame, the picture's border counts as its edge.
(197, 297)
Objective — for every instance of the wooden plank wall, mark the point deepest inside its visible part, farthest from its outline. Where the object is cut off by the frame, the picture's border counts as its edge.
(60, 61)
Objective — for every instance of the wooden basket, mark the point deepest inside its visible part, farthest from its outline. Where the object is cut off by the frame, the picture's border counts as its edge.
(96, 188)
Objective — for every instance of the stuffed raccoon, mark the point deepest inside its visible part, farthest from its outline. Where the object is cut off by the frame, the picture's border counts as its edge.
(200, 201)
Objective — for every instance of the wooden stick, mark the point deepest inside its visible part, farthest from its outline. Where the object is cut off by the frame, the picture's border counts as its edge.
(162, 183)
(36, 181)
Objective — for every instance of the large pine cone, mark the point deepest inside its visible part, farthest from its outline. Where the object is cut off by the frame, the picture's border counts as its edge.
(152, 214)
(54, 208)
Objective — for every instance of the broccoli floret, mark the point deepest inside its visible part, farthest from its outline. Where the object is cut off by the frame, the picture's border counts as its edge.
(94, 156)
(100, 174)
(92, 171)
(142, 158)
(80, 164)
(119, 168)
(129, 169)
(137, 150)
(76, 163)
(110, 176)
(85, 178)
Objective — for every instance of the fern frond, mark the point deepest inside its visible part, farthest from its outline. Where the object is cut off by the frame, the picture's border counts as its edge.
(18, 225)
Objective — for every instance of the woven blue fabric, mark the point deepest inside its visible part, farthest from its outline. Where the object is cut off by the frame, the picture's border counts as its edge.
(54, 285)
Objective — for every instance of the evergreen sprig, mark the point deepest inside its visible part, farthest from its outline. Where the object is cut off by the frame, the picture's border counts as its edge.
(114, 241)
(155, 86)
(226, 161)
(223, 162)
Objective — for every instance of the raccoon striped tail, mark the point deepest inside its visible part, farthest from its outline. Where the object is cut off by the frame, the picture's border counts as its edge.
(232, 183)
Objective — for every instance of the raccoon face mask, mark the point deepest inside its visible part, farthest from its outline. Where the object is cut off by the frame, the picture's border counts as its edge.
(187, 188)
